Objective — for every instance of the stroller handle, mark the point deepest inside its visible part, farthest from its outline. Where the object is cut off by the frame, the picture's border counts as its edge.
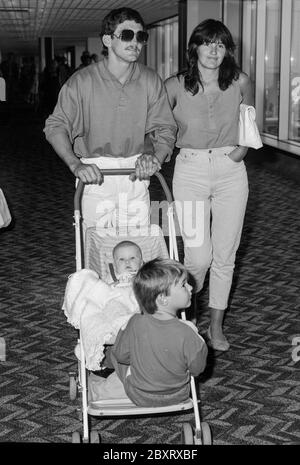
(120, 172)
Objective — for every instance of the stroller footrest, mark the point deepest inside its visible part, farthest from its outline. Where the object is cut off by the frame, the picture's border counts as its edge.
(119, 407)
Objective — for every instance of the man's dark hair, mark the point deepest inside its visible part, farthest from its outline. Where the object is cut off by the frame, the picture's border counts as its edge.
(116, 17)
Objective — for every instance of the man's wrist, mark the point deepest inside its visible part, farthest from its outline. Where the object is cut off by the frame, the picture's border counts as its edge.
(160, 158)
(158, 162)
(74, 165)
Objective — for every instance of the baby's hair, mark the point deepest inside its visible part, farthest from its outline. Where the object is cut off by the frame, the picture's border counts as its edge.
(154, 278)
(122, 244)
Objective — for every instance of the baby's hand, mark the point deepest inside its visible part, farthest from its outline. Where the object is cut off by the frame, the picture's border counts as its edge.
(126, 277)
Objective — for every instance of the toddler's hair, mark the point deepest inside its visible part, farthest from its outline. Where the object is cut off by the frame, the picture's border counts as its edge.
(154, 278)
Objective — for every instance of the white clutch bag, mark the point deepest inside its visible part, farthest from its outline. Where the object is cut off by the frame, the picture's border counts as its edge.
(248, 130)
(5, 217)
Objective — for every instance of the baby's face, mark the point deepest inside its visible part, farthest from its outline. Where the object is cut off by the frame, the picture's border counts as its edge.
(127, 260)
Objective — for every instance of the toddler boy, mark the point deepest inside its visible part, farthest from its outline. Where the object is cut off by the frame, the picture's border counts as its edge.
(155, 355)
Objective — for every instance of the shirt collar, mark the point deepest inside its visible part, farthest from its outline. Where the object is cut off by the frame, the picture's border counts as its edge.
(107, 75)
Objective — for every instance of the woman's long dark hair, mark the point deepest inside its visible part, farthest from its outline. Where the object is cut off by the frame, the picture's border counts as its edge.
(208, 31)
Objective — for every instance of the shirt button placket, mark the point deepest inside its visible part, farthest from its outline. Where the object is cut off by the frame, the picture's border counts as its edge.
(212, 123)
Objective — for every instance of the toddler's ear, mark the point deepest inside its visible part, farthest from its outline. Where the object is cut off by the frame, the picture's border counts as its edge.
(162, 300)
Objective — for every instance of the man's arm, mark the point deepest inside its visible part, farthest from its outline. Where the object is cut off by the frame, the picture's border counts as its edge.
(88, 173)
(63, 126)
(160, 126)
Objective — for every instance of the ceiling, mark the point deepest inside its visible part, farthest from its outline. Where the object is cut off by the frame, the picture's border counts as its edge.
(69, 22)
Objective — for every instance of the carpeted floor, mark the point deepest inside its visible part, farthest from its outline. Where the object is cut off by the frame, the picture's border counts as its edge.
(249, 395)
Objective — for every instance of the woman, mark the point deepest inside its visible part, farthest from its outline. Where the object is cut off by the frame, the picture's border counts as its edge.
(209, 169)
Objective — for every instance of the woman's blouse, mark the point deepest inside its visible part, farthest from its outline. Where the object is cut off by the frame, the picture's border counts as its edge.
(205, 120)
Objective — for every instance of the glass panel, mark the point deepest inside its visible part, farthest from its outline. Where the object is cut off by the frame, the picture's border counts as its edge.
(162, 47)
(272, 67)
(249, 30)
(232, 20)
(253, 44)
(151, 49)
(294, 117)
(175, 50)
(159, 51)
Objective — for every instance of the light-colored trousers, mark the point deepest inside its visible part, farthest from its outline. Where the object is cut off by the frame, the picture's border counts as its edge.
(118, 202)
(213, 190)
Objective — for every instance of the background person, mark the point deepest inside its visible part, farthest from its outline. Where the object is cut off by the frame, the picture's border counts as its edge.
(94, 58)
(85, 59)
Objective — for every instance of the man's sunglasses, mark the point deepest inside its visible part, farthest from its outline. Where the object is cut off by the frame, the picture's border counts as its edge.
(127, 35)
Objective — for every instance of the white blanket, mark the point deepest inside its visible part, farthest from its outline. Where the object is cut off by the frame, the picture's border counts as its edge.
(99, 310)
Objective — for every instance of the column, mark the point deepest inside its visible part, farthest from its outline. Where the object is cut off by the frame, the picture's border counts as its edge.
(191, 13)
(46, 51)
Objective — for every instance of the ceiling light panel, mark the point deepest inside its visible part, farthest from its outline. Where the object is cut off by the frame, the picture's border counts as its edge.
(31, 19)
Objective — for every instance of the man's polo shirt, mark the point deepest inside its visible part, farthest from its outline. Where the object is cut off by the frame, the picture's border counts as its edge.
(103, 117)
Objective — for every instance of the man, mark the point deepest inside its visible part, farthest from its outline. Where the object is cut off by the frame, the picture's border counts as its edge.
(100, 121)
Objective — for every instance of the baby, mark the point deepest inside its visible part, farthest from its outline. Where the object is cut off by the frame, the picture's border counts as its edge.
(127, 258)
(99, 308)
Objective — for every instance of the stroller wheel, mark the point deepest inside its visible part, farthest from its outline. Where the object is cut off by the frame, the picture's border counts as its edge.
(94, 437)
(73, 386)
(76, 438)
(187, 436)
(206, 434)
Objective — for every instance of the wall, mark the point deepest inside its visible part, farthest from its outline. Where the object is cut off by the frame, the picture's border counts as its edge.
(94, 45)
(198, 10)
(233, 20)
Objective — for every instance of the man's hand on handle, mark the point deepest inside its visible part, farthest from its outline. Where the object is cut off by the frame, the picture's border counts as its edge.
(88, 173)
(145, 166)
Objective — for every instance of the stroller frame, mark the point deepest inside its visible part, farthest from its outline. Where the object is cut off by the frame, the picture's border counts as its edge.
(201, 434)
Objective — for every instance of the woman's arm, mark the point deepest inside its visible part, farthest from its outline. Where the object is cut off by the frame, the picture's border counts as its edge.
(239, 153)
(170, 85)
(246, 89)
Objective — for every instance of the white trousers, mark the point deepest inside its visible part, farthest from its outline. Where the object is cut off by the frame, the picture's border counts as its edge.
(118, 202)
(215, 189)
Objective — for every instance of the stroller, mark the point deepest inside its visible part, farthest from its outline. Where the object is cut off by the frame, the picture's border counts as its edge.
(97, 256)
